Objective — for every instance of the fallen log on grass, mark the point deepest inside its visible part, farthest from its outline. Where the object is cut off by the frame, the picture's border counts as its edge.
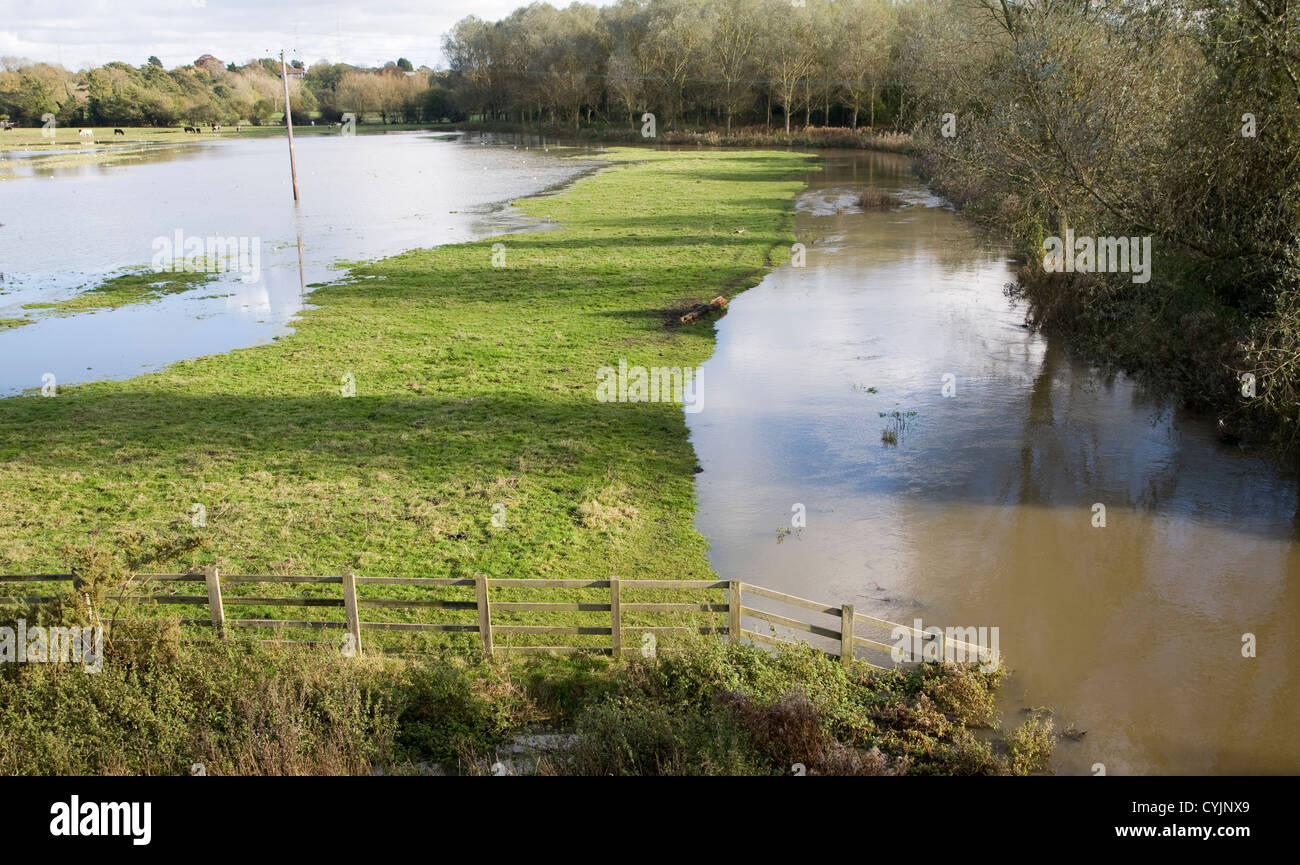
(700, 309)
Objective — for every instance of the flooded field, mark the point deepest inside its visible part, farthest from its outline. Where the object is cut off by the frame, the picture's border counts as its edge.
(64, 230)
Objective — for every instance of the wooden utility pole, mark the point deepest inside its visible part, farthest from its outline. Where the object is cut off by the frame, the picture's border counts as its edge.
(288, 123)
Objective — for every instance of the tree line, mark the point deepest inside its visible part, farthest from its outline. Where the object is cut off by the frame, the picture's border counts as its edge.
(699, 62)
(1177, 120)
(209, 91)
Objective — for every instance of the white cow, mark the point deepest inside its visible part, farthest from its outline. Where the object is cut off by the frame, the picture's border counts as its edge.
(87, 135)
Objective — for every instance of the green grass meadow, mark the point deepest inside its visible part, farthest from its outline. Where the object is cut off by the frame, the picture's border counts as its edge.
(475, 386)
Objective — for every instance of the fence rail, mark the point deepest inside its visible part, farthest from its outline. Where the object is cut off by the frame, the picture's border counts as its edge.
(839, 624)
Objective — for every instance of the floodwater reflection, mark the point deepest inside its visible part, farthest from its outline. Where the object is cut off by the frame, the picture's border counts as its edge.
(66, 229)
(982, 513)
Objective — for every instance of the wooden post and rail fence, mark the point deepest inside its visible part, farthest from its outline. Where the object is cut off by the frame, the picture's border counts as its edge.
(838, 624)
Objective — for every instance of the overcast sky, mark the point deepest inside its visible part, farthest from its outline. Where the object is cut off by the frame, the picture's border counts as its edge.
(77, 33)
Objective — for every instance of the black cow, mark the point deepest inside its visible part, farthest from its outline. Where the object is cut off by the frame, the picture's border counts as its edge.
(118, 132)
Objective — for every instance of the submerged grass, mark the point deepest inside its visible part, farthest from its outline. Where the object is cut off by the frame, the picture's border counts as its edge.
(67, 149)
(137, 286)
(877, 199)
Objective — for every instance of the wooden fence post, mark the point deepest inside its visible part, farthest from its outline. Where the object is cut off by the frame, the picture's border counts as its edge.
(484, 613)
(733, 610)
(846, 635)
(615, 617)
(350, 611)
(215, 609)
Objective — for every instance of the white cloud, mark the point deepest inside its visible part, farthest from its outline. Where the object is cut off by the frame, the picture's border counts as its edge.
(78, 33)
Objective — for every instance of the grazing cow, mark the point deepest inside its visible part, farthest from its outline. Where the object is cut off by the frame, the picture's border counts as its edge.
(216, 127)
(118, 132)
(87, 135)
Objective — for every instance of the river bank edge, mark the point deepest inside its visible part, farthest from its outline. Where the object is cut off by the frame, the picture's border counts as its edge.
(961, 751)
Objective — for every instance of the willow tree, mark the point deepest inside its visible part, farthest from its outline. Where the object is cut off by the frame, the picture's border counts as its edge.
(868, 30)
(675, 44)
(787, 52)
(733, 33)
(623, 81)
(474, 54)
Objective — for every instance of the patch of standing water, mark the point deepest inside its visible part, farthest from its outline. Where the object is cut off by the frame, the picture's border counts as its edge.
(65, 230)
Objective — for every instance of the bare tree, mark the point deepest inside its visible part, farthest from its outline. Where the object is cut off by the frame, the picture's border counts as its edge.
(732, 36)
(787, 52)
(869, 30)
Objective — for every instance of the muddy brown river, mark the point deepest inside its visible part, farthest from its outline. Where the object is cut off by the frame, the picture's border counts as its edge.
(984, 512)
